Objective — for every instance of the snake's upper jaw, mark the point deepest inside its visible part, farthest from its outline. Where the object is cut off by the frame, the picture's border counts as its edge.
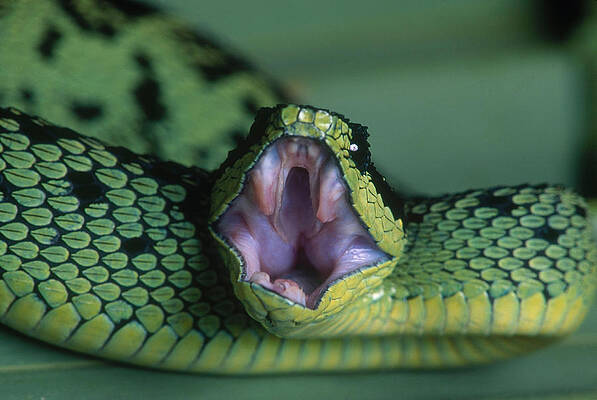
(293, 224)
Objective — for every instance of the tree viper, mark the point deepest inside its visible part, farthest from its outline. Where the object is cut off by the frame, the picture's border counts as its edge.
(294, 254)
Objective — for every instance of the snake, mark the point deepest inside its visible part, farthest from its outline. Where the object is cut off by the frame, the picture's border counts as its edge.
(291, 252)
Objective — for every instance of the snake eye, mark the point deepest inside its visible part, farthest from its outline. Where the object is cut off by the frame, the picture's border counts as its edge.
(359, 148)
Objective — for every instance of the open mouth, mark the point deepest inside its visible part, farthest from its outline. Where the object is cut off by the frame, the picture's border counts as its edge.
(293, 224)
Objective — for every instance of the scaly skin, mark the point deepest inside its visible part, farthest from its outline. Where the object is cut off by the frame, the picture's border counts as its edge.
(109, 253)
(129, 75)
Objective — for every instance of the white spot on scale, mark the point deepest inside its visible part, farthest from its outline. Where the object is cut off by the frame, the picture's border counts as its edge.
(378, 294)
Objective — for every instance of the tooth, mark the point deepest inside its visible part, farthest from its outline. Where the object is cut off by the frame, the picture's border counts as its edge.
(330, 190)
(278, 202)
(317, 159)
(279, 192)
(265, 177)
(290, 289)
(314, 180)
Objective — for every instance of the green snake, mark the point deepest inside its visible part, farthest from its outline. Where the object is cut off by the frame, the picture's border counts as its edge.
(293, 255)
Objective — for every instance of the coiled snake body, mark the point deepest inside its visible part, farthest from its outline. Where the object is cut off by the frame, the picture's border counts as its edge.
(293, 255)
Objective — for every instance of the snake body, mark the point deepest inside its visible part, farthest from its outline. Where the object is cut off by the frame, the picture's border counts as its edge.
(120, 255)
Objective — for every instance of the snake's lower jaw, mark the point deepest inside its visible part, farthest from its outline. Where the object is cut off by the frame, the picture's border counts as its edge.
(293, 225)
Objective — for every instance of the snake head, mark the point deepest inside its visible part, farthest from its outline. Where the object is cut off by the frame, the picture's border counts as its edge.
(300, 221)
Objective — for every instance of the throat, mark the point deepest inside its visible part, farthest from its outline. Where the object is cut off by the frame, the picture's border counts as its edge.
(293, 225)
(304, 273)
(296, 219)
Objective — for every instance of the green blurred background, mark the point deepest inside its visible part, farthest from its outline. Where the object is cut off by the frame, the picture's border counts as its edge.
(457, 94)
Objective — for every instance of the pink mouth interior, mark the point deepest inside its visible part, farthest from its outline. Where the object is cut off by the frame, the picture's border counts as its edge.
(293, 225)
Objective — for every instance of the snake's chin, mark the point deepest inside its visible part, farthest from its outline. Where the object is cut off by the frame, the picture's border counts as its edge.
(293, 225)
